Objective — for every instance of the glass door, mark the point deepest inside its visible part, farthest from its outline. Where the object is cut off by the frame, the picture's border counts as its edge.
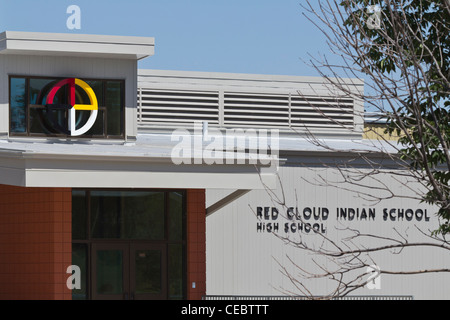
(148, 276)
(129, 271)
(110, 271)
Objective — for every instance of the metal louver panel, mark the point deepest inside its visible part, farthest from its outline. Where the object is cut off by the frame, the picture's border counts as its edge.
(172, 108)
(256, 110)
(176, 108)
(321, 112)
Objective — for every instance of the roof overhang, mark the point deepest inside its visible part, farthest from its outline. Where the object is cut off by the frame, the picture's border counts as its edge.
(121, 166)
(76, 45)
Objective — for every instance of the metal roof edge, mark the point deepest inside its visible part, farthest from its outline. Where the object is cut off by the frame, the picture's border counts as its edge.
(83, 45)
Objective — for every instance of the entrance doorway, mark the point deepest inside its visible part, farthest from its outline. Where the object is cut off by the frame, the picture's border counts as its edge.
(129, 244)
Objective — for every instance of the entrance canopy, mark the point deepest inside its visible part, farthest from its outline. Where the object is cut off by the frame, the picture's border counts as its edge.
(150, 162)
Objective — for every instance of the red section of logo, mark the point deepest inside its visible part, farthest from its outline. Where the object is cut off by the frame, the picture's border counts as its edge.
(71, 83)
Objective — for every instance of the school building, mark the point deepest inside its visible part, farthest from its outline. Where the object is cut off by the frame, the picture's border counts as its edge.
(150, 184)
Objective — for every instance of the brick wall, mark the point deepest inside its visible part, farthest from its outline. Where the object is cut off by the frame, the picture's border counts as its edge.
(35, 243)
(196, 244)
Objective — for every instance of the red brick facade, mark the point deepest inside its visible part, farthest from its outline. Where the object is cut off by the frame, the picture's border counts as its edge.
(35, 243)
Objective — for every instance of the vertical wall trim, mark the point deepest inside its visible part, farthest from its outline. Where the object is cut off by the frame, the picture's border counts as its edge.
(196, 244)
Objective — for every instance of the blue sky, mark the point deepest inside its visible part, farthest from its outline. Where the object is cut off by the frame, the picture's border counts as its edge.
(238, 36)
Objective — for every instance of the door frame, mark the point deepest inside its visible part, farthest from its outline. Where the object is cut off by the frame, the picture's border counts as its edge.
(134, 247)
(99, 246)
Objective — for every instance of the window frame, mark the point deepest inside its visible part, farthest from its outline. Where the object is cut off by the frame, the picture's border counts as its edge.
(102, 107)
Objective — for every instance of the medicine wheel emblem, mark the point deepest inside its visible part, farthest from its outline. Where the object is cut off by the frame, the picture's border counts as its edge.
(72, 107)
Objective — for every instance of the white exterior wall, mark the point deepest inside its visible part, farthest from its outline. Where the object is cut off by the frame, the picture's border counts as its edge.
(79, 67)
(244, 261)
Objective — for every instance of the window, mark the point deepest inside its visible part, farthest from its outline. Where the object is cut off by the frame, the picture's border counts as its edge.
(43, 107)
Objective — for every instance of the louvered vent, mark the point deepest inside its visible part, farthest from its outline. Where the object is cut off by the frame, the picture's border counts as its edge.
(256, 110)
(321, 112)
(170, 108)
(164, 108)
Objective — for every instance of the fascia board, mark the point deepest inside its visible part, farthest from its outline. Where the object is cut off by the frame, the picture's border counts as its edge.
(31, 43)
(208, 76)
(159, 180)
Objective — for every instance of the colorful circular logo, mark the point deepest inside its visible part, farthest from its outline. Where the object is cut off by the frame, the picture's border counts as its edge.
(72, 107)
